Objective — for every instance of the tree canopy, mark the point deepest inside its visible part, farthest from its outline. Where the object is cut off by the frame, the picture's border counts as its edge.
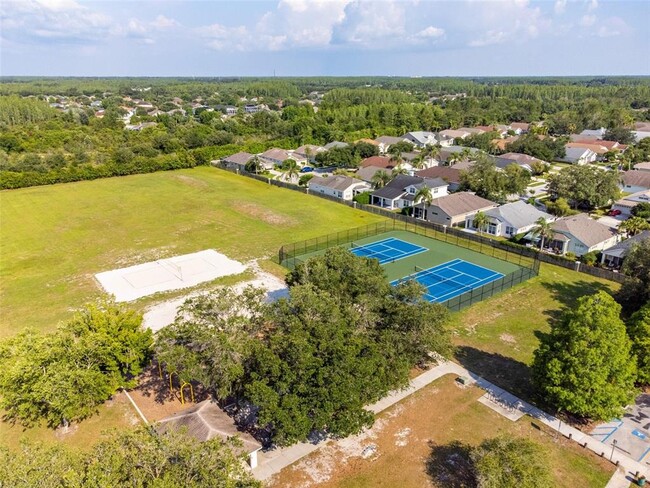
(638, 329)
(492, 183)
(584, 365)
(585, 186)
(64, 376)
(635, 292)
(508, 462)
(139, 457)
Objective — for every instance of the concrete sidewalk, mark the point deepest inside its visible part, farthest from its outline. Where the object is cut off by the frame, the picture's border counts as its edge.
(273, 462)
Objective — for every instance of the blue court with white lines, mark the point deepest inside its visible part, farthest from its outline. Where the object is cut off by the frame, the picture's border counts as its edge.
(387, 250)
(452, 279)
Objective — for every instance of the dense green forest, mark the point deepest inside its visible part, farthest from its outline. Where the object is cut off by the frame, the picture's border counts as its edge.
(67, 129)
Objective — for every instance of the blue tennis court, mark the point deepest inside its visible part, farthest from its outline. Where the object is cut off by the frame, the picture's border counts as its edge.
(387, 250)
(451, 279)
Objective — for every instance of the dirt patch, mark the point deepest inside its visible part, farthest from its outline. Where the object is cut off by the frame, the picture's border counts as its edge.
(191, 181)
(264, 214)
(398, 450)
(508, 339)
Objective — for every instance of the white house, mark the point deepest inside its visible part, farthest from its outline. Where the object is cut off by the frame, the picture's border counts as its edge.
(237, 161)
(401, 191)
(642, 166)
(384, 143)
(338, 186)
(579, 155)
(596, 133)
(308, 152)
(421, 138)
(580, 234)
(447, 137)
(511, 219)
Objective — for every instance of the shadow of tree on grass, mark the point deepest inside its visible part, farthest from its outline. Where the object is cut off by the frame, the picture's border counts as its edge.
(505, 372)
(450, 465)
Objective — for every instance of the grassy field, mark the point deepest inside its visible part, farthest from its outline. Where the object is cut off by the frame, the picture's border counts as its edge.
(55, 238)
(497, 337)
(413, 442)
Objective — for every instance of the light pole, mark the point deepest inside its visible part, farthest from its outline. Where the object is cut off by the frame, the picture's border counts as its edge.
(611, 456)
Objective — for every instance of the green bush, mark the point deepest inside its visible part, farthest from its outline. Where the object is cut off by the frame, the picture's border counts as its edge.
(363, 198)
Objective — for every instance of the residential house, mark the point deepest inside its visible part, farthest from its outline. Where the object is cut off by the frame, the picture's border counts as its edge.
(597, 133)
(401, 191)
(520, 127)
(421, 138)
(580, 234)
(384, 143)
(454, 209)
(448, 136)
(595, 147)
(412, 159)
(523, 160)
(641, 131)
(511, 219)
(450, 174)
(338, 186)
(252, 109)
(635, 181)
(308, 152)
(447, 152)
(205, 421)
(227, 109)
(615, 255)
(473, 131)
(600, 144)
(642, 167)
(502, 143)
(237, 161)
(335, 144)
(579, 155)
(379, 161)
(274, 156)
(626, 204)
(367, 173)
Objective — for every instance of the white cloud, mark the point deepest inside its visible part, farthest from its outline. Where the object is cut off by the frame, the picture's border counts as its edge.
(490, 37)
(592, 5)
(560, 6)
(614, 26)
(431, 32)
(587, 20)
(371, 24)
(514, 20)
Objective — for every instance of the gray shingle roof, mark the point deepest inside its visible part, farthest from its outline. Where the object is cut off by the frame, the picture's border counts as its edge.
(637, 178)
(461, 203)
(239, 158)
(388, 192)
(519, 214)
(584, 228)
(205, 421)
(388, 139)
(621, 249)
(335, 182)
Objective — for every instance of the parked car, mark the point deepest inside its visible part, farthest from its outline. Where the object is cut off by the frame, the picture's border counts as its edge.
(306, 169)
(614, 213)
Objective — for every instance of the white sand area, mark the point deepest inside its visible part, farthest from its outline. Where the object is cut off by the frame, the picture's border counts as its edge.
(175, 273)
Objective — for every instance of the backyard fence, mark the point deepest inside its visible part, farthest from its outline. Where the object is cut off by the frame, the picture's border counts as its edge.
(436, 231)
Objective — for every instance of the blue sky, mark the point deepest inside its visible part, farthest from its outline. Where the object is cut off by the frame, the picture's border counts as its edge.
(324, 37)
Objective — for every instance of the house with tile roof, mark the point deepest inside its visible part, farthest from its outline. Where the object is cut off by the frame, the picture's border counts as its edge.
(237, 161)
(421, 138)
(384, 143)
(450, 174)
(579, 155)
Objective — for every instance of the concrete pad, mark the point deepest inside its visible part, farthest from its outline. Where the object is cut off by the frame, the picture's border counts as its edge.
(505, 409)
(178, 272)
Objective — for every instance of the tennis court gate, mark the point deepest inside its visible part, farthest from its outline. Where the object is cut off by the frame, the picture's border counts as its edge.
(291, 255)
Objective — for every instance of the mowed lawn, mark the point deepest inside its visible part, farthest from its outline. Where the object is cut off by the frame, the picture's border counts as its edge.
(497, 337)
(55, 238)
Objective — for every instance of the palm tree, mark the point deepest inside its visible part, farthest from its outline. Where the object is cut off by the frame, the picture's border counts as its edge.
(544, 230)
(431, 151)
(425, 196)
(291, 170)
(419, 162)
(396, 158)
(254, 165)
(633, 226)
(453, 159)
(481, 221)
(380, 179)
